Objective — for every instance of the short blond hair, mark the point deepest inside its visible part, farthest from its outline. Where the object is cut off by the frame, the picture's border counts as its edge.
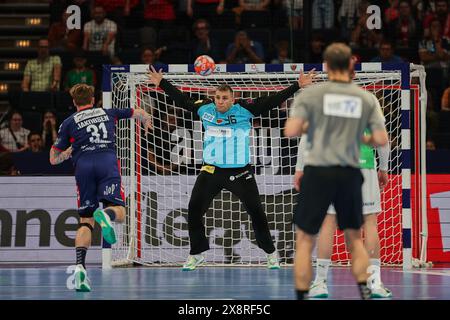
(82, 94)
(337, 56)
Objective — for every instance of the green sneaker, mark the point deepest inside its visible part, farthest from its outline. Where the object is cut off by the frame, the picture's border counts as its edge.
(380, 292)
(272, 261)
(82, 283)
(193, 262)
(107, 229)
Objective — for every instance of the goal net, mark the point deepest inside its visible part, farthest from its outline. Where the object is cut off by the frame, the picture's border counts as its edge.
(159, 167)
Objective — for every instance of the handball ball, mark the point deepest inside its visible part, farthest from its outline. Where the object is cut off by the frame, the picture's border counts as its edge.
(204, 65)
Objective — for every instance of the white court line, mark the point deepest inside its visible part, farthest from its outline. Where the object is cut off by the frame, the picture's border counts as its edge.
(427, 272)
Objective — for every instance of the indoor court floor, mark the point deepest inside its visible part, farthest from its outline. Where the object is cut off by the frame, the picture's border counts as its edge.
(205, 283)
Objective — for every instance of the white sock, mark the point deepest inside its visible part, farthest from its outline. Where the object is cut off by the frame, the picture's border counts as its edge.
(322, 269)
(375, 264)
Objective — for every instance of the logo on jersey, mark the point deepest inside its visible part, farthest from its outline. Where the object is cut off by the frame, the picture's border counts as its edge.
(219, 121)
(208, 117)
(88, 113)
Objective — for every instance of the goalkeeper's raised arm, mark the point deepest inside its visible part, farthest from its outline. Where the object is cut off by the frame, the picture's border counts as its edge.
(181, 100)
(261, 105)
(257, 106)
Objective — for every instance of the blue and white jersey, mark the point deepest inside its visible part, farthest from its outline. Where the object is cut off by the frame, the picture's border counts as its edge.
(89, 131)
(226, 141)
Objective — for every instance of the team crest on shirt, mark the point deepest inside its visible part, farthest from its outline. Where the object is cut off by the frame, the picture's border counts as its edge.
(208, 117)
(219, 121)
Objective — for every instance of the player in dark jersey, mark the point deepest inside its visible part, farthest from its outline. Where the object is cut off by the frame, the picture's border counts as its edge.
(226, 157)
(88, 137)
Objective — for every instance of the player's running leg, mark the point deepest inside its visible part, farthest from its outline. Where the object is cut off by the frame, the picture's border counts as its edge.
(205, 189)
(360, 260)
(319, 288)
(303, 270)
(82, 243)
(104, 217)
(242, 183)
(372, 244)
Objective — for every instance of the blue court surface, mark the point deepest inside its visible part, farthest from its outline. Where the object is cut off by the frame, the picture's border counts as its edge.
(207, 283)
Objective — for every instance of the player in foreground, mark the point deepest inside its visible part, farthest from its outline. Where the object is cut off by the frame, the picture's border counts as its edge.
(334, 115)
(88, 136)
(373, 181)
(226, 157)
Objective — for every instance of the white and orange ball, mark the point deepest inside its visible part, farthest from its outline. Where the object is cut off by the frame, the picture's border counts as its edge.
(204, 65)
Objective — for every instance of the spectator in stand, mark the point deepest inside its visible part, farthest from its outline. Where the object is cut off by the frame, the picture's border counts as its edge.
(117, 10)
(434, 49)
(14, 138)
(206, 9)
(363, 37)
(348, 15)
(423, 8)
(159, 13)
(403, 31)
(35, 142)
(386, 54)
(79, 74)
(43, 73)
(322, 14)
(59, 37)
(203, 44)
(391, 13)
(316, 49)
(445, 101)
(49, 130)
(282, 53)
(434, 52)
(150, 56)
(442, 14)
(244, 50)
(100, 33)
(294, 11)
(254, 5)
(7, 167)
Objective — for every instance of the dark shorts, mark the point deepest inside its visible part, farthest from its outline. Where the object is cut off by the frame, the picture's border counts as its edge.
(98, 180)
(322, 186)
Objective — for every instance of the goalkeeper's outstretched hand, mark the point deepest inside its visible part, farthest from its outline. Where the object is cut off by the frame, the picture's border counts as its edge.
(154, 76)
(306, 79)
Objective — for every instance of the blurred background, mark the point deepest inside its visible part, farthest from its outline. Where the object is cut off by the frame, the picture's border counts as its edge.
(40, 59)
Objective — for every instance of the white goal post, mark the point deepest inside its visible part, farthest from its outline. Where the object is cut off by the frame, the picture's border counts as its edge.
(159, 167)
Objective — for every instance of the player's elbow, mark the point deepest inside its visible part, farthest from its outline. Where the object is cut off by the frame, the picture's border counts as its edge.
(380, 138)
(293, 128)
(290, 132)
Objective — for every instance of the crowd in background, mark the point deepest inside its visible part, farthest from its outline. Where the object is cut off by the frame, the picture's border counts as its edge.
(230, 31)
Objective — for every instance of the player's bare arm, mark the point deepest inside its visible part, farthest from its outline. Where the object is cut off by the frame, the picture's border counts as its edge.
(57, 156)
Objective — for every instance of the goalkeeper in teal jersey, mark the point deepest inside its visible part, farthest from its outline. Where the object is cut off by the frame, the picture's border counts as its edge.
(373, 181)
(226, 159)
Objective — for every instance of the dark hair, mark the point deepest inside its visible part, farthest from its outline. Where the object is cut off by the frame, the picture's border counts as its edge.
(201, 20)
(13, 112)
(224, 87)
(33, 133)
(337, 56)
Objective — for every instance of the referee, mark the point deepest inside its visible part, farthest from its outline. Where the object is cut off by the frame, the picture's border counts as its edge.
(334, 115)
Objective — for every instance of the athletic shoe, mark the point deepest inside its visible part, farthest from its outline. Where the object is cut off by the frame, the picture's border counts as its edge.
(272, 261)
(82, 283)
(107, 229)
(193, 261)
(380, 291)
(318, 289)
